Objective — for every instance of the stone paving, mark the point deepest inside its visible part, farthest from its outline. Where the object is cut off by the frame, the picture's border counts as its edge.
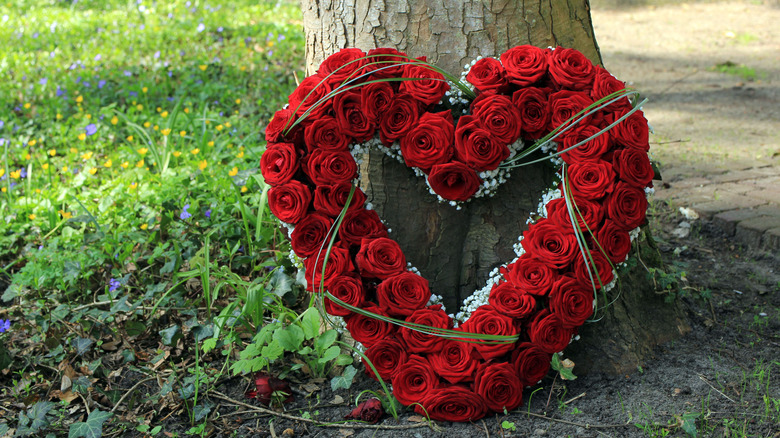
(743, 203)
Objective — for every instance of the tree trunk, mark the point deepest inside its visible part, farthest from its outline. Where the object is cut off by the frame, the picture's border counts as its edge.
(456, 249)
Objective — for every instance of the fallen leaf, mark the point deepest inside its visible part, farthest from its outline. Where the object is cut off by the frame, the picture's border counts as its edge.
(417, 419)
(310, 387)
(337, 400)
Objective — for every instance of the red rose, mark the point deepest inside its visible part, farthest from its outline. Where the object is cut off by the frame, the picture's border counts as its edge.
(427, 85)
(487, 74)
(605, 84)
(352, 119)
(331, 199)
(377, 98)
(632, 132)
(548, 333)
(453, 181)
(487, 320)
(531, 363)
(341, 65)
(361, 224)
(497, 383)
(477, 147)
(386, 62)
(403, 294)
(571, 302)
(370, 411)
(380, 258)
(591, 150)
(310, 95)
(419, 342)
(566, 104)
(627, 206)
(328, 167)
(400, 118)
(455, 361)
(534, 111)
(429, 142)
(596, 273)
(452, 403)
(279, 163)
(591, 179)
(569, 68)
(269, 389)
(633, 166)
(414, 380)
(279, 122)
(347, 288)
(289, 202)
(325, 133)
(511, 301)
(311, 234)
(588, 213)
(524, 65)
(386, 355)
(368, 330)
(550, 243)
(339, 263)
(498, 115)
(614, 240)
(531, 275)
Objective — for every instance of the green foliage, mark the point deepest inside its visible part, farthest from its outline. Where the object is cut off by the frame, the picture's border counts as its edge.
(295, 336)
(740, 70)
(92, 428)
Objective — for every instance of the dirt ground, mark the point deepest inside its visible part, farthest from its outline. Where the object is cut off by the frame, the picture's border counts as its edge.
(712, 73)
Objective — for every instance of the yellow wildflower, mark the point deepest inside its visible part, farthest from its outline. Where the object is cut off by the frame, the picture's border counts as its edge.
(114, 120)
(182, 133)
(92, 170)
(27, 156)
(82, 136)
(38, 191)
(88, 116)
(203, 67)
(143, 151)
(147, 124)
(176, 154)
(108, 163)
(45, 166)
(233, 171)
(86, 155)
(242, 68)
(80, 99)
(129, 138)
(52, 152)
(65, 214)
(219, 127)
(16, 174)
(64, 169)
(140, 163)
(139, 107)
(203, 164)
(238, 101)
(156, 127)
(195, 151)
(244, 189)
(164, 114)
(32, 142)
(31, 216)
(240, 154)
(4, 189)
(74, 151)
(211, 143)
(186, 110)
(2, 171)
(166, 131)
(144, 89)
(125, 164)
(133, 185)
(159, 109)
(144, 226)
(59, 116)
(26, 106)
(228, 125)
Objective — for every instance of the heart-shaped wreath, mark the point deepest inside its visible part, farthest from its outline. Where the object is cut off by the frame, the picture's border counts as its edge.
(463, 135)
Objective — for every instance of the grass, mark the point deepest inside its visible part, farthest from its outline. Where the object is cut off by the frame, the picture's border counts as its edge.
(135, 229)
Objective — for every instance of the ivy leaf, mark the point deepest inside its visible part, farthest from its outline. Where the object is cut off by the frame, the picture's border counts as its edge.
(170, 335)
(564, 367)
(202, 409)
(344, 380)
(34, 419)
(689, 423)
(93, 428)
(82, 345)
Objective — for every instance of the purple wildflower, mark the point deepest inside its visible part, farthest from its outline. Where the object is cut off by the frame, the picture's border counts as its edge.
(101, 83)
(5, 325)
(201, 27)
(184, 213)
(91, 129)
(208, 214)
(113, 285)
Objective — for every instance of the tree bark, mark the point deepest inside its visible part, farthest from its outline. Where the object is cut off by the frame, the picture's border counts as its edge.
(455, 249)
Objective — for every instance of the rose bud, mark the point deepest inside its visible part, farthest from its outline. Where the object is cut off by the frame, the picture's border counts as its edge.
(370, 411)
(270, 390)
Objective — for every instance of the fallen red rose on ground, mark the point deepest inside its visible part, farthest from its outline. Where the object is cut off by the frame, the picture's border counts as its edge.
(370, 411)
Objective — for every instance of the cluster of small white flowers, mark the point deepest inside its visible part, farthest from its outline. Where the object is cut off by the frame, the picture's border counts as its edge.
(649, 192)
(478, 298)
(633, 234)
(546, 198)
